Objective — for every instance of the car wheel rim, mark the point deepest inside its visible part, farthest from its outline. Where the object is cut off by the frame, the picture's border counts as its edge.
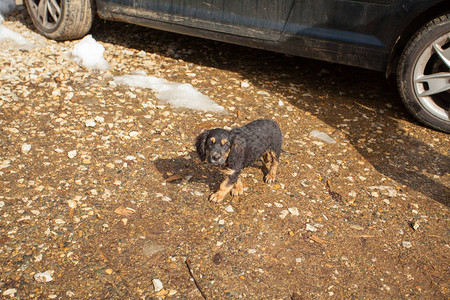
(46, 12)
(432, 78)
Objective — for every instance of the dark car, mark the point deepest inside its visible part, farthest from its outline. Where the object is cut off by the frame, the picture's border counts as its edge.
(410, 38)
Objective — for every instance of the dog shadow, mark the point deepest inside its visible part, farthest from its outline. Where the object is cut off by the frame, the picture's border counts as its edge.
(191, 169)
(174, 170)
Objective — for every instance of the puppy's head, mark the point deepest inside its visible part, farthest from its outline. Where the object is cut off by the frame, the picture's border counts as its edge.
(214, 146)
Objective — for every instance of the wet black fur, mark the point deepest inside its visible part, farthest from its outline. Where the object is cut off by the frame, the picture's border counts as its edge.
(246, 144)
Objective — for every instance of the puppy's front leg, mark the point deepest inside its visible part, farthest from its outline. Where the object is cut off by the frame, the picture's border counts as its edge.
(227, 185)
(225, 188)
(238, 188)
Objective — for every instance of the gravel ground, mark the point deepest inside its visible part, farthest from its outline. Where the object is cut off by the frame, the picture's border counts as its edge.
(114, 209)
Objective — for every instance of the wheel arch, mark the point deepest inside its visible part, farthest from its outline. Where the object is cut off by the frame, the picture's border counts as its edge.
(412, 27)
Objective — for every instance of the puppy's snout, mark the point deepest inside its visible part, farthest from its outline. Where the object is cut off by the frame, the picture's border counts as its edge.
(216, 157)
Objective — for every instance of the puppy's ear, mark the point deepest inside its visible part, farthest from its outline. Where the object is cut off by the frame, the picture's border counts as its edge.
(237, 152)
(200, 144)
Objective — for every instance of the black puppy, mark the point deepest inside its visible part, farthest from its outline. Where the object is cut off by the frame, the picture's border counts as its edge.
(236, 149)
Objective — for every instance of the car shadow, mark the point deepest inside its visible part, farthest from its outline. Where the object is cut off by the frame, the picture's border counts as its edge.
(360, 104)
(370, 115)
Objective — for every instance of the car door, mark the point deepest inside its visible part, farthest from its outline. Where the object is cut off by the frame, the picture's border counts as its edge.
(355, 21)
(261, 19)
(354, 32)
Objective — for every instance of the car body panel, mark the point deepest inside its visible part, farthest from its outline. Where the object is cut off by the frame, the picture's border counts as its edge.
(264, 19)
(361, 33)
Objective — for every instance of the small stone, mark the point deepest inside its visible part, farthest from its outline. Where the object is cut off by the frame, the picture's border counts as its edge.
(72, 153)
(26, 148)
(251, 251)
(109, 271)
(99, 119)
(124, 211)
(165, 198)
(9, 292)
(130, 157)
(284, 213)
(352, 194)
(157, 285)
(133, 134)
(356, 227)
(245, 84)
(90, 123)
(294, 211)
(106, 194)
(322, 136)
(72, 203)
(406, 244)
(229, 209)
(310, 227)
(151, 248)
(5, 164)
(44, 277)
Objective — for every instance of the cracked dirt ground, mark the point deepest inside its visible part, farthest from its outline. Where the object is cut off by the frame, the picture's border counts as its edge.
(107, 211)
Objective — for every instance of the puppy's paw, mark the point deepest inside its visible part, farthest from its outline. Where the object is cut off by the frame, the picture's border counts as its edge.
(237, 190)
(269, 178)
(216, 197)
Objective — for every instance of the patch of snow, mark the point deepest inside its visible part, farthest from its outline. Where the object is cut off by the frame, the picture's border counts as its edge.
(7, 34)
(17, 39)
(173, 93)
(89, 53)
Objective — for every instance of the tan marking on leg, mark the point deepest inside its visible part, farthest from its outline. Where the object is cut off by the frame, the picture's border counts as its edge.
(224, 189)
(266, 158)
(238, 188)
(270, 177)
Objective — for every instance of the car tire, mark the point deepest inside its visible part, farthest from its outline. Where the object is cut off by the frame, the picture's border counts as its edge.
(61, 19)
(423, 75)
